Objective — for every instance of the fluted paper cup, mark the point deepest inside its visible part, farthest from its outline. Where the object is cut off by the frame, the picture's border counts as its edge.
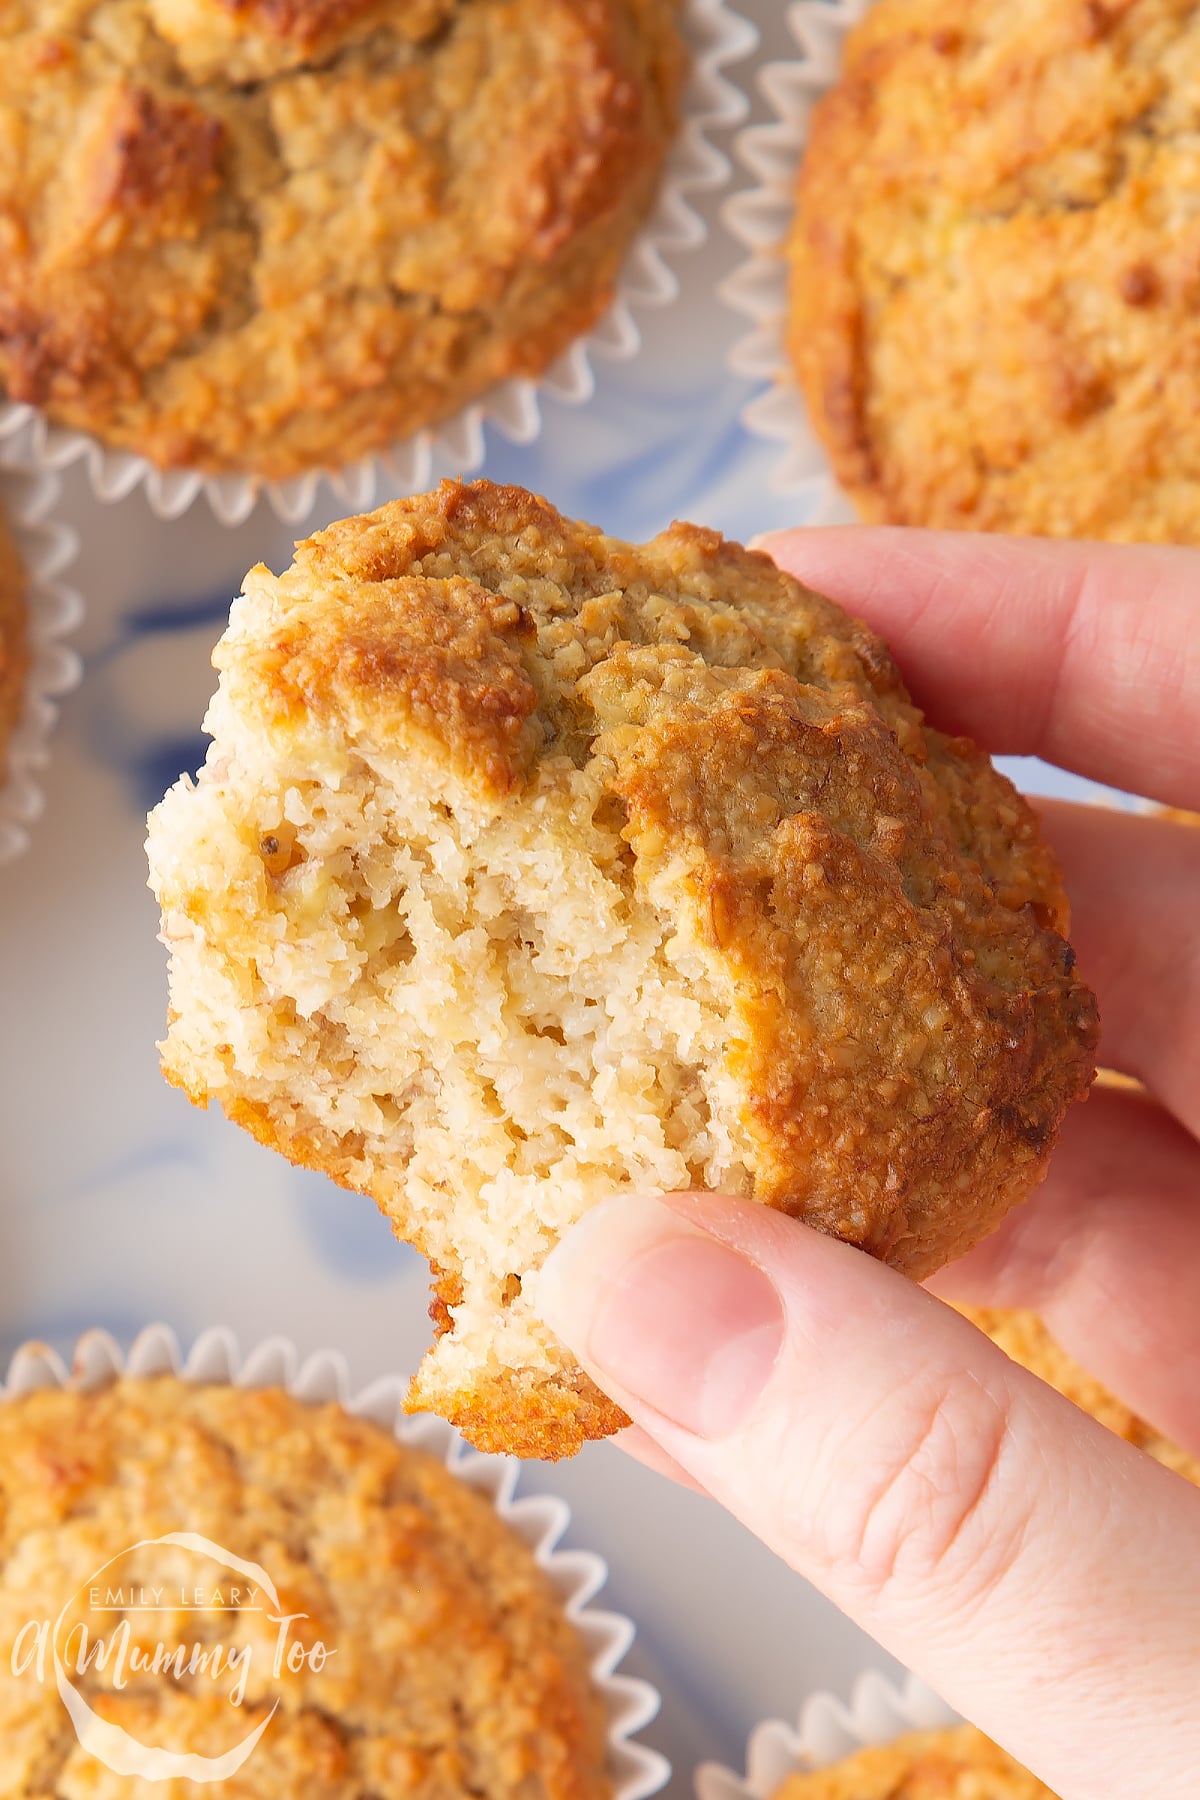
(636, 1771)
(760, 217)
(48, 549)
(716, 36)
(826, 1731)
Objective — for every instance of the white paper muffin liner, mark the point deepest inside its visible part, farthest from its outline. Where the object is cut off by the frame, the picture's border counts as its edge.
(826, 1731)
(716, 35)
(48, 548)
(760, 217)
(636, 1771)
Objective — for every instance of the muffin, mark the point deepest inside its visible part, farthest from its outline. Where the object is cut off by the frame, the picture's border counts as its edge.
(528, 866)
(994, 268)
(266, 237)
(1023, 1336)
(14, 654)
(447, 1665)
(957, 1764)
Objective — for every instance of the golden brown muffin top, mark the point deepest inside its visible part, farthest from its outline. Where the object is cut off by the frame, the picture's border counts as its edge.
(1024, 1337)
(452, 1669)
(277, 235)
(14, 654)
(994, 267)
(958, 1764)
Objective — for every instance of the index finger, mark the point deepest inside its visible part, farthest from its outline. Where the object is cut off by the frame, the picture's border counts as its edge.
(1085, 654)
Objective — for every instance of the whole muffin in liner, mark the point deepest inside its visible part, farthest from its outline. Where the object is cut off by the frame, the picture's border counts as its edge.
(220, 146)
(378, 1553)
(970, 287)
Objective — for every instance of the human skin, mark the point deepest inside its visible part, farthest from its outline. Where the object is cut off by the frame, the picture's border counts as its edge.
(1040, 1572)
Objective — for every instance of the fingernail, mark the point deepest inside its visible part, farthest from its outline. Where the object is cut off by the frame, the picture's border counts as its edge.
(664, 1314)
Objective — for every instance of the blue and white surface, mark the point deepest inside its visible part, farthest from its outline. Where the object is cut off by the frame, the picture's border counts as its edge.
(120, 1204)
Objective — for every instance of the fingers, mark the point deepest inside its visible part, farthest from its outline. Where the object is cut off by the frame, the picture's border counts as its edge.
(637, 1442)
(1108, 1252)
(1041, 1573)
(1086, 654)
(1134, 884)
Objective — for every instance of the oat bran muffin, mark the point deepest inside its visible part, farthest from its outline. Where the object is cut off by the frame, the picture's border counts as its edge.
(14, 653)
(995, 267)
(1023, 1336)
(453, 1669)
(528, 866)
(957, 1764)
(242, 235)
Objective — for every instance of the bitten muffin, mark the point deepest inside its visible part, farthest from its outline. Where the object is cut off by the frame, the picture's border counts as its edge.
(959, 1764)
(995, 268)
(450, 1668)
(528, 866)
(1023, 1336)
(14, 655)
(243, 235)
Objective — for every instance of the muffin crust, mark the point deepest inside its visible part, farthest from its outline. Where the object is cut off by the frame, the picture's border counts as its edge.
(994, 268)
(528, 866)
(275, 236)
(452, 1671)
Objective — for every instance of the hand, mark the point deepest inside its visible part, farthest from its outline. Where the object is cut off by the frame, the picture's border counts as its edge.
(1042, 1574)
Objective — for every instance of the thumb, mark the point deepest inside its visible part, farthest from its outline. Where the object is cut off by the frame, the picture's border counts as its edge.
(1042, 1574)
